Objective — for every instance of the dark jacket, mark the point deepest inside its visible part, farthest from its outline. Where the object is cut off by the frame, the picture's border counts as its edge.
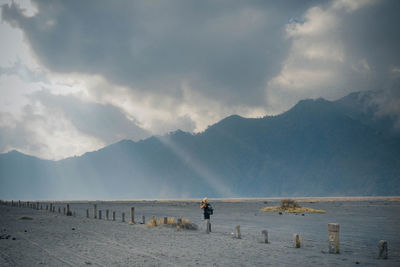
(208, 210)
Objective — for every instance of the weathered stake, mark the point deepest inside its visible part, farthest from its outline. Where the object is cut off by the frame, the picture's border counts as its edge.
(107, 215)
(333, 229)
(165, 220)
(123, 217)
(51, 207)
(265, 234)
(59, 210)
(383, 249)
(207, 226)
(99, 214)
(296, 241)
(95, 211)
(113, 214)
(87, 213)
(64, 210)
(132, 216)
(143, 219)
(239, 236)
(68, 211)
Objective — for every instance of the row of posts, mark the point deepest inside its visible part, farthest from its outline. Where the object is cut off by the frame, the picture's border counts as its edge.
(333, 230)
(98, 214)
(37, 206)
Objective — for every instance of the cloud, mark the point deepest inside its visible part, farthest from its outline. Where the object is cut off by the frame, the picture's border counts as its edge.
(332, 53)
(223, 50)
(88, 73)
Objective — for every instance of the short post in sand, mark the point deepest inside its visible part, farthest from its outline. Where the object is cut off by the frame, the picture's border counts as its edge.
(383, 249)
(64, 210)
(113, 214)
(333, 229)
(51, 207)
(208, 226)
(87, 213)
(165, 220)
(41, 207)
(107, 215)
(19, 203)
(265, 235)
(143, 220)
(239, 236)
(68, 211)
(95, 211)
(37, 205)
(54, 208)
(296, 241)
(59, 210)
(99, 214)
(47, 207)
(132, 216)
(123, 217)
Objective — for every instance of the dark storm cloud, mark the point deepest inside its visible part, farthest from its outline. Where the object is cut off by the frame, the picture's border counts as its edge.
(225, 49)
(105, 122)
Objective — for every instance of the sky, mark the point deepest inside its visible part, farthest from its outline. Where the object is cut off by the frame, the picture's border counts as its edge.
(76, 76)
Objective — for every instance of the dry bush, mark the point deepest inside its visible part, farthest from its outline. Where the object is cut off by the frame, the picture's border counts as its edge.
(289, 204)
(25, 218)
(182, 223)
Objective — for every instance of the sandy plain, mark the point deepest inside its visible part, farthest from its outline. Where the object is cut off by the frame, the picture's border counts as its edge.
(53, 239)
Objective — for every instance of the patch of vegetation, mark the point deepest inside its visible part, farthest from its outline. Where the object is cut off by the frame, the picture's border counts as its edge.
(181, 223)
(25, 218)
(291, 206)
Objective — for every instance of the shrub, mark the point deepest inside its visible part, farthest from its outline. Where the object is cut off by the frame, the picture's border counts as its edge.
(289, 204)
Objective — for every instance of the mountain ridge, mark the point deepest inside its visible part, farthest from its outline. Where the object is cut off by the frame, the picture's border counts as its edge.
(315, 148)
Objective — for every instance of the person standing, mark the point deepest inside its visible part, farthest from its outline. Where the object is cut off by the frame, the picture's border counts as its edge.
(208, 210)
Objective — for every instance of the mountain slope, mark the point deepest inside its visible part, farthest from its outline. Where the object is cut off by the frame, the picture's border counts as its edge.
(316, 148)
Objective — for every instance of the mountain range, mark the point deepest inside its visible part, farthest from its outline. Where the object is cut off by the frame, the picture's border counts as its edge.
(317, 148)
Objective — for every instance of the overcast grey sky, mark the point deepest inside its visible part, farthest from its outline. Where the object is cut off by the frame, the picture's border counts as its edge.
(78, 75)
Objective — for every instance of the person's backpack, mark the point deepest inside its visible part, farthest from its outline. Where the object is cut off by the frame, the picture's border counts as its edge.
(210, 209)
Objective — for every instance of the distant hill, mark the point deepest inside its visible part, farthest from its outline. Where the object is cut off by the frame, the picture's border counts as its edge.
(317, 148)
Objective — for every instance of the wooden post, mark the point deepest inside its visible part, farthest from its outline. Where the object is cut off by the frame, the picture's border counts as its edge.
(59, 210)
(87, 213)
(383, 249)
(165, 220)
(99, 214)
(68, 211)
(207, 226)
(41, 207)
(47, 207)
(54, 209)
(107, 215)
(265, 234)
(95, 211)
(37, 205)
(143, 219)
(113, 215)
(123, 217)
(333, 229)
(19, 203)
(64, 210)
(51, 207)
(239, 236)
(132, 216)
(296, 241)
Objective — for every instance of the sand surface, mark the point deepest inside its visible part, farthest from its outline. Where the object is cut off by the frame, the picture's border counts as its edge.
(52, 239)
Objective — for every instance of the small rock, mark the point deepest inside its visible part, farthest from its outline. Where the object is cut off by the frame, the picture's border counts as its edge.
(357, 262)
(88, 262)
(25, 231)
(280, 213)
(302, 214)
(73, 229)
(13, 238)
